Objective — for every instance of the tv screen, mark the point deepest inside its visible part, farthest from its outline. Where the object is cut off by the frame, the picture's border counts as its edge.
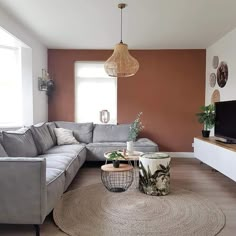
(225, 122)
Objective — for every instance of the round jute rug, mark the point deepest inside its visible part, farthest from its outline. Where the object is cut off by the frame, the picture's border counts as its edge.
(94, 211)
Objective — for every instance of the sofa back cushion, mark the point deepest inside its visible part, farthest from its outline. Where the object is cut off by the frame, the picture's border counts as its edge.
(1, 138)
(83, 132)
(19, 143)
(51, 127)
(2, 151)
(111, 133)
(42, 137)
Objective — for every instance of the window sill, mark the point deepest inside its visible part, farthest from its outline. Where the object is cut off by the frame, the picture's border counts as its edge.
(10, 127)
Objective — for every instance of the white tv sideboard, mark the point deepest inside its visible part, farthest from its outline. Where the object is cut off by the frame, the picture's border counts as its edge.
(219, 156)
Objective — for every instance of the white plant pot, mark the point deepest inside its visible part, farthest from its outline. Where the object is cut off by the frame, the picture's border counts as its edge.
(130, 147)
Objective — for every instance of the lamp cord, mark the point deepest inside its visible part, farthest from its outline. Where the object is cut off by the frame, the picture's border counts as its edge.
(121, 25)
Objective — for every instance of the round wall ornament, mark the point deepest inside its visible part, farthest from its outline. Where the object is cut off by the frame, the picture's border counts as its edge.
(215, 97)
(222, 74)
(215, 62)
(212, 80)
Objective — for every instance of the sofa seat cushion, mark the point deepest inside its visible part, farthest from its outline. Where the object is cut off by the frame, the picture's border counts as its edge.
(66, 162)
(77, 151)
(95, 151)
(71, 148)
(83, 132)
(52, 174)
(82, 156)
(111, 133)
(60, 161)
(55, 180)
(42, 137)
(19, 143)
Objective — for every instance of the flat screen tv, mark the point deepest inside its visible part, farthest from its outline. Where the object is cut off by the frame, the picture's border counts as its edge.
(225, 122)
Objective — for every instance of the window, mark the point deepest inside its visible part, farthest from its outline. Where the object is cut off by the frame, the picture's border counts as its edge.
(10, 86)
(94, 91)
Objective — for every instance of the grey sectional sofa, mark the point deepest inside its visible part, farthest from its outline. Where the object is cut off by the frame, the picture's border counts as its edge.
(35, 171)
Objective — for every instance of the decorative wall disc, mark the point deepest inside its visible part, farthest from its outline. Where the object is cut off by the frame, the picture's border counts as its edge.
(212, 80)
(215, 97)
(215, 62)
(222, 74)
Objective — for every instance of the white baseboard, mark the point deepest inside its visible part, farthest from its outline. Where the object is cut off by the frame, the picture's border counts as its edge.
(181, 154)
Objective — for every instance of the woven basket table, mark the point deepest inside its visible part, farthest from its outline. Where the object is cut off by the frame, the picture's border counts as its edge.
(117, 179)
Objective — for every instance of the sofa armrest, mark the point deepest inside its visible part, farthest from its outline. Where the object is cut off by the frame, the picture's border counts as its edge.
(22, 190)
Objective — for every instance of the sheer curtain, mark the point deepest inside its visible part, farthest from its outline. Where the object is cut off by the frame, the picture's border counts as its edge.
(10, 87)
(94, 91)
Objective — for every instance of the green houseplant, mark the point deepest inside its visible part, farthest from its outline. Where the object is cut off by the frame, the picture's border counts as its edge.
(116, 156)
(207, 117)
(135, 128)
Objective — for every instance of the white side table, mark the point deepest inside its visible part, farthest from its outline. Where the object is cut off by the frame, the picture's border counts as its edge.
(154, 178)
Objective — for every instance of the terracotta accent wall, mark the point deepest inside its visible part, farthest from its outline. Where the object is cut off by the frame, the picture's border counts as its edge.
(169, 88)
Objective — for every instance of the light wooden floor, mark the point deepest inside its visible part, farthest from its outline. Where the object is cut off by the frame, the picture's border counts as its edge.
(185, 173)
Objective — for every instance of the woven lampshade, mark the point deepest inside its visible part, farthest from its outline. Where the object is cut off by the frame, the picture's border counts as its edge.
(121, 63)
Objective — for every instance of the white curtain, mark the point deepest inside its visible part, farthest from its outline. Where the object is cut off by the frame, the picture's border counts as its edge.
(95, 91)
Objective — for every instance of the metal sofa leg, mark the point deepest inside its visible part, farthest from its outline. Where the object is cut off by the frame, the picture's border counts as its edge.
(37, 230)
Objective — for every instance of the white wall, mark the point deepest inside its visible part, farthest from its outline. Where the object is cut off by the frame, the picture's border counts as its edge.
(39, 61)
(225, 49)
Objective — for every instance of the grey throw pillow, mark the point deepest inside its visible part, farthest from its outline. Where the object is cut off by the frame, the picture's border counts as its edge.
(42, 137)
(19, 144)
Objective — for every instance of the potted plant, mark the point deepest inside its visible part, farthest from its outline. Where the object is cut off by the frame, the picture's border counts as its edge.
(207, 117)
(116, 156)
(135, 128)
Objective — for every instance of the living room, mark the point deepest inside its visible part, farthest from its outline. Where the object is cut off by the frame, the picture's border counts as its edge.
(175, 44)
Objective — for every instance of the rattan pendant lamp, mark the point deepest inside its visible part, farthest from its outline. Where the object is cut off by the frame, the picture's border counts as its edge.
(121, 63)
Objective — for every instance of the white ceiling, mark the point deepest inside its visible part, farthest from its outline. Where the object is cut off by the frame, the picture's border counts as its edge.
(152, 24)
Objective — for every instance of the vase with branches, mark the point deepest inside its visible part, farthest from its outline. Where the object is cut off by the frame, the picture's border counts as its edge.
(134, 131)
